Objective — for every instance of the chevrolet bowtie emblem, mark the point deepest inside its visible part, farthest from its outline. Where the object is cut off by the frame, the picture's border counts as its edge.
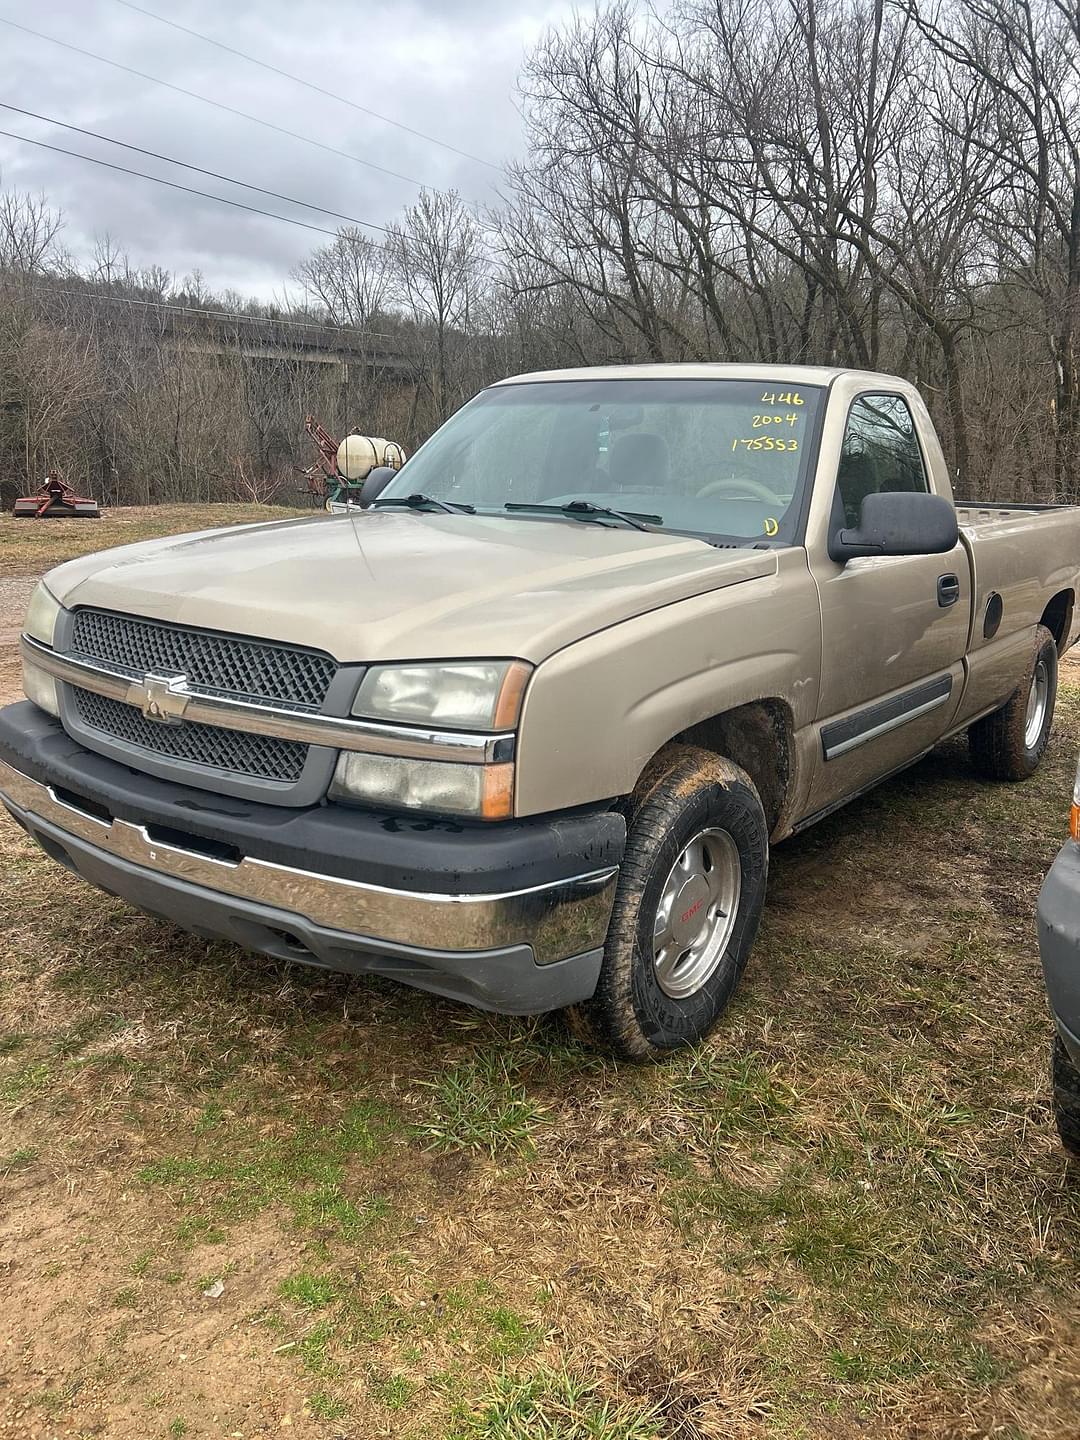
(164, 698)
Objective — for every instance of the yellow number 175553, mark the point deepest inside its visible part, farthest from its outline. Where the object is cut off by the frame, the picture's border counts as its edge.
(765, 442)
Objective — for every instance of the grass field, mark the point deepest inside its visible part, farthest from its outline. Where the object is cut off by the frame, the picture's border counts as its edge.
(847, 1215)
(29, 547)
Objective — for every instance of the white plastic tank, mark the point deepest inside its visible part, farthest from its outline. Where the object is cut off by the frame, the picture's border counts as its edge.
(357, 455)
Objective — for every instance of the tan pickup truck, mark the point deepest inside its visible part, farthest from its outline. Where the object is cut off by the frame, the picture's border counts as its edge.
(522, 729)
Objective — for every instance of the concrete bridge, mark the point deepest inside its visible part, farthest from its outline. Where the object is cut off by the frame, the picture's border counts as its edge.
(219, 332)
(307, 342)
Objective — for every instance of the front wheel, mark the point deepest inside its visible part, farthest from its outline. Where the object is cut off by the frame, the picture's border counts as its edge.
(1065, 1080)
(686, 909)
(1009, 744)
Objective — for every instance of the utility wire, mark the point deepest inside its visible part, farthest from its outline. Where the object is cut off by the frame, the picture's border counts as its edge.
(172, 184)
(310, 85)
(218, 104)
(407, 241)
(184, 164)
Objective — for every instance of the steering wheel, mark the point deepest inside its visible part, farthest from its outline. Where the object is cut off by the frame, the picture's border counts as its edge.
(740, 487)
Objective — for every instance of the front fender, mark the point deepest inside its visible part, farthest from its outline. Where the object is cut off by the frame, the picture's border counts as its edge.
(597, 711)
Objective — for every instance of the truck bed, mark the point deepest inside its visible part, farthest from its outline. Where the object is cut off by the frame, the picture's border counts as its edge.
(1023, 568)
(970, 515)
(1023, 552)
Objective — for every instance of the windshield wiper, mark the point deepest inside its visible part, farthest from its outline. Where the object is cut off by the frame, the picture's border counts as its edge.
(635, 518)
(425, 502)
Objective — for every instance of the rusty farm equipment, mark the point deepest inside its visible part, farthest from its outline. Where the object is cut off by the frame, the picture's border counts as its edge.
(55, 501)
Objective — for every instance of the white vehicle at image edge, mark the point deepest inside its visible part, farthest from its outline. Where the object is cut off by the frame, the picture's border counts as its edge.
(522, 729)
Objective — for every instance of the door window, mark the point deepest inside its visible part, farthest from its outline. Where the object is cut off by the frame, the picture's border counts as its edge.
(880, 452)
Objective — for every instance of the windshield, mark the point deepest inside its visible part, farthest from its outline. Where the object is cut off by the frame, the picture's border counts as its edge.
(717, 458)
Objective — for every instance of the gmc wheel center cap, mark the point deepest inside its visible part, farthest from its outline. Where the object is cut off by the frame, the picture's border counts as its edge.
(690, 910)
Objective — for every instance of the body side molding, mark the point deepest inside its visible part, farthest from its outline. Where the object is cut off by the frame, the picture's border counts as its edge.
(840, 736)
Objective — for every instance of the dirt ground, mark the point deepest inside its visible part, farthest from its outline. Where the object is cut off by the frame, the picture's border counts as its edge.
(242, 1199)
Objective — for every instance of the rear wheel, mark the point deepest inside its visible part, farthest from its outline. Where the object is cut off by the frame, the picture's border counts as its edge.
(686, 909)
(1065, 1079)
(1009, 744)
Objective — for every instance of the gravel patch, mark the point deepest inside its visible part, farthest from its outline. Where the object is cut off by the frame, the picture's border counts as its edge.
(14, 597)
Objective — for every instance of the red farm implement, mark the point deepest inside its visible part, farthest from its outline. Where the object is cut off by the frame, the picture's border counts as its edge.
(323, 473)
(55, 501)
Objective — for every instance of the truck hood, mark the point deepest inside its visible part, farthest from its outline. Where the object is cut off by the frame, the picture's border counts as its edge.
(393, 585)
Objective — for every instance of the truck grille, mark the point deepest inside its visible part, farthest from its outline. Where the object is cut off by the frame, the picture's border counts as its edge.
(255, 670)
(263, 757)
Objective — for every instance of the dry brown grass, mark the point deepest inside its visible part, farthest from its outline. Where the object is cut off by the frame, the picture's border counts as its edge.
(847, 1215)
(30, 547)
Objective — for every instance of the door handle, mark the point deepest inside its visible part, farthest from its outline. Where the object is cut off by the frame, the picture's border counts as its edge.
(948, 590)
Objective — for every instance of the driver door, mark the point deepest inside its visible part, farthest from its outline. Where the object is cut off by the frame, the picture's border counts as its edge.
(894, 628)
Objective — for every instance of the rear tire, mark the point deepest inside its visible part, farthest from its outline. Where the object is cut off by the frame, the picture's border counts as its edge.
(1065, 1079)
(1009, 744)
(686, 909)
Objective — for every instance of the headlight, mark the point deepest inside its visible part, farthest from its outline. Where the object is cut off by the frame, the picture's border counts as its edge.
(469, 695)
(41, 616)
(486, 792)
(40, 688)
(40, 623)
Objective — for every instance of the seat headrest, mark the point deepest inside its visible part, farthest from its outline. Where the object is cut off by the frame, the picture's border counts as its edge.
(639, 460)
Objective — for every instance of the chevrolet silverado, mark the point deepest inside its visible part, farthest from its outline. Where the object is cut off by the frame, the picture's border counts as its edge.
(522, 729)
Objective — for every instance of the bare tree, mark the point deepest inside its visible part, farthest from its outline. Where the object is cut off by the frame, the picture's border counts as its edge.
(437, 252)
(350, 278)
(29, 228)
(892, 184)
(1027, 54)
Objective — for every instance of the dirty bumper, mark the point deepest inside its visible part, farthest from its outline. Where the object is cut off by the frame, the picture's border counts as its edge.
(516, 926)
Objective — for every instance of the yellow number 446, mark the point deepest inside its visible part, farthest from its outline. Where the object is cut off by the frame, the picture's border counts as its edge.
(786, 397)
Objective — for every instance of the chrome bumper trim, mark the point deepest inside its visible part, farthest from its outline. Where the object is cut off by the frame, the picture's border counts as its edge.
(366, 736)
(557, 920)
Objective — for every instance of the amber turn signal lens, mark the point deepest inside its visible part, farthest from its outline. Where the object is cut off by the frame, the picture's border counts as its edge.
(511, 694)
(497, 801)
(1074, 822)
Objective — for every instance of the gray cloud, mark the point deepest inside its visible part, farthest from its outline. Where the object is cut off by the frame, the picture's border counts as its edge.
(446, 67)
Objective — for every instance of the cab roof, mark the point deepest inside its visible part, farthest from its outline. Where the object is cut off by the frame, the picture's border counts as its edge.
(769, 374)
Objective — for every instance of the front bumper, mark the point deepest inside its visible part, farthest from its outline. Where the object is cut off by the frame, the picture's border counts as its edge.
(1059, 944)
(509, 917)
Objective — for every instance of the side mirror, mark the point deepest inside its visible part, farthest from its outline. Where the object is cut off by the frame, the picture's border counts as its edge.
(375, 482)
(898, 522)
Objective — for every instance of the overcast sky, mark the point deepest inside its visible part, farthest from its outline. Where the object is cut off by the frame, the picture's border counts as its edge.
(444, 67)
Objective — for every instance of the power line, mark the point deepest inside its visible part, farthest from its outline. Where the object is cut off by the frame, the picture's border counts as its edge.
(310, 85)
(172, 184)
(184, 164)
(218, 104)
(407, 241)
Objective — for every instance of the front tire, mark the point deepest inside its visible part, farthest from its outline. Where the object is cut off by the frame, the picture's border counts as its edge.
(1009, 744)
(686, 908)
(1065, 1079)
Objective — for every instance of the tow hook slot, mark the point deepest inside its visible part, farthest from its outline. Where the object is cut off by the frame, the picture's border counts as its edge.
(195, 844)
(93, 808)
(294, 948)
